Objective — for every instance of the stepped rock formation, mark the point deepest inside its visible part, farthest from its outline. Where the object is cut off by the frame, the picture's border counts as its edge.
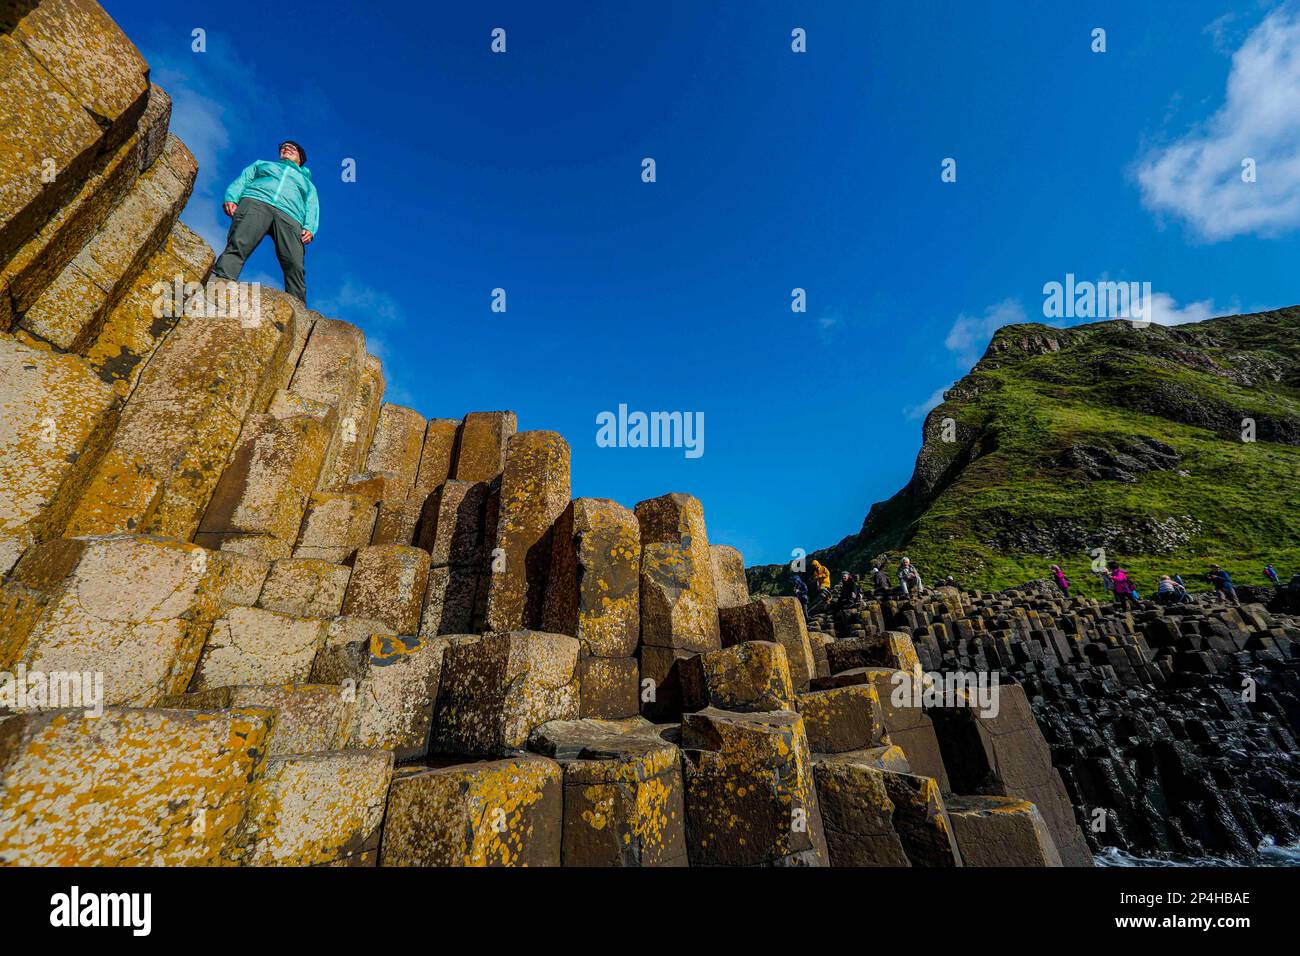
(330, 631)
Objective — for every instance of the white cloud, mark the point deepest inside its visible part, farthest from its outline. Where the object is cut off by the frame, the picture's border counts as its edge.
(920, 411)
(970, 335)
(1166, 311)
(1197, 178)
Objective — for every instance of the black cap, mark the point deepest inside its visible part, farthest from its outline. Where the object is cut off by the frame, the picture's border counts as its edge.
(302, 153)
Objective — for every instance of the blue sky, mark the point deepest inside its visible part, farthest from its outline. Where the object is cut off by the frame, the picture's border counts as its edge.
(775, 170)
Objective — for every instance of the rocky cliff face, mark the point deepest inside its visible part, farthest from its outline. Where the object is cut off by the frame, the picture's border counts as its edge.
(251, 613)
(1167, 447)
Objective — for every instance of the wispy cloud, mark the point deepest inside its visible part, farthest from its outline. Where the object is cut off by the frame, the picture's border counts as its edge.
(361, 304)
(970, 334)
(829, 324)
(923, 409)
(1198, 177)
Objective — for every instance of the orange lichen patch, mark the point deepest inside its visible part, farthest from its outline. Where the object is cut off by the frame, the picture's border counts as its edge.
(120, 497)
(133, 787)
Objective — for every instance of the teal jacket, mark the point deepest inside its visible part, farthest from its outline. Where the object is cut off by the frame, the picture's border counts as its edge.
(282, 184)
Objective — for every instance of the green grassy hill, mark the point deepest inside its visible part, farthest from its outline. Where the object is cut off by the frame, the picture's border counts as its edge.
(1102, 436)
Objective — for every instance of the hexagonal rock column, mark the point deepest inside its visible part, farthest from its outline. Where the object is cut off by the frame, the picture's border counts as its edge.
(305, 587)
(136, 608)
(892, 649)
(481, 445)
(750, 798)
(679, 607)
(496, 691)
(452, 531)
(670, 682)
(387, 584)
(63, 65)
(773, 619)
(905, 721)
(329, 371)
(593, 592)
(395, 681)
(1001, 831)
(494, 813)
(316, 809)
(55, 418)
(335, 526)
(133, 786)
(729, 575)
(1005, 755)
(857, 813)
(399, 436)
(185, 415)
(251, 645)
(842, 719)
(622, 792)
(69, 313)
(753, 676)
(354, 439)
(534, 493)
(921, 820)
(258, 504)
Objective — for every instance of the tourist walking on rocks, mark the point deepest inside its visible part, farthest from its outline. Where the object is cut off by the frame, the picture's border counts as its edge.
(1271, 574)
(821, 575)
(1062, 581)
(275, 197)
(909, 578)
(800, 592)
(1125, 593)
(1222, 582)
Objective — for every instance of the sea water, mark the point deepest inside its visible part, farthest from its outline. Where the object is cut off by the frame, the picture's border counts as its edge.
(1270, 854)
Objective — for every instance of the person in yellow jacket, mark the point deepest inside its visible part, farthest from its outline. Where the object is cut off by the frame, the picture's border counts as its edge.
(821, 574)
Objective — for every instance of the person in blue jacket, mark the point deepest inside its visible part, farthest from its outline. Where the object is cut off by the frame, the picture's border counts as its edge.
(278, 198)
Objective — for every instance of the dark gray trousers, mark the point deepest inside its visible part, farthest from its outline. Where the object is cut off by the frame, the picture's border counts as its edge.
(252, 221)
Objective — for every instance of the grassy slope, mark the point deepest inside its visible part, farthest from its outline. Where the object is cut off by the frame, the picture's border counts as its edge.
(1246, 496)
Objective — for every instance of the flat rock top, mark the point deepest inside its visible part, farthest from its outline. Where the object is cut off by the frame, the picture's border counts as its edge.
(592, 739)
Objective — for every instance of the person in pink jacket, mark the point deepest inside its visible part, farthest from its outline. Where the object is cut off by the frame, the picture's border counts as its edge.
(1062, 581)
(1124, 591)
